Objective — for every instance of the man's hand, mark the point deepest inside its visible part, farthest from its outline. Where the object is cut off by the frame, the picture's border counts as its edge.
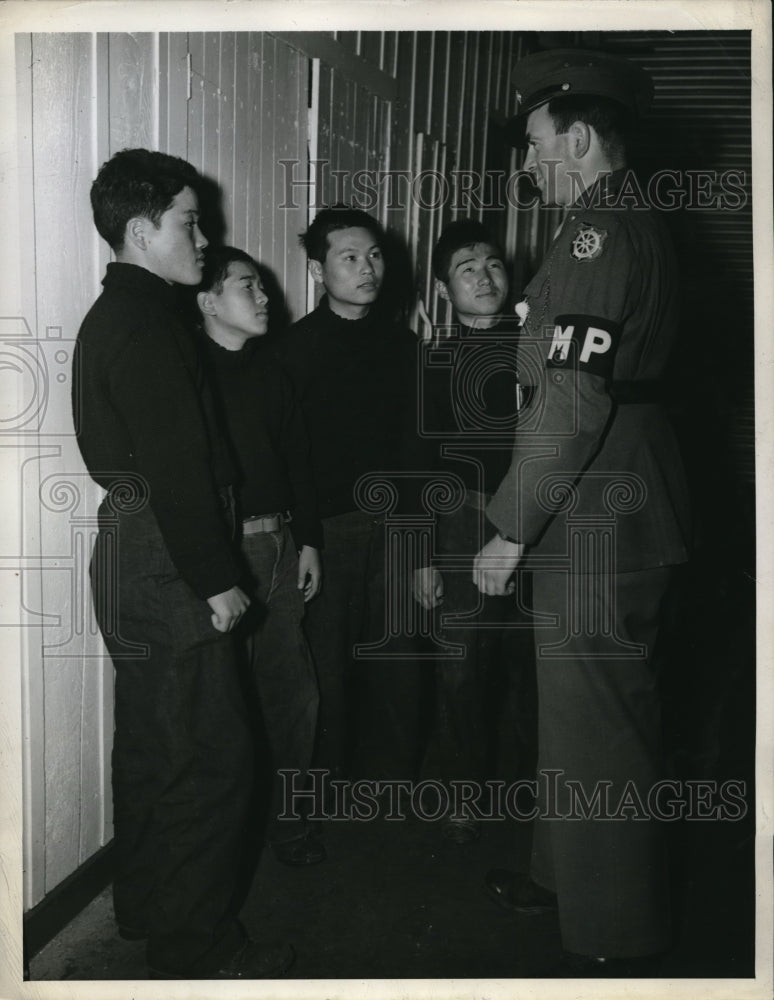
(494, 566)
(427, 586)
(309, 572)
(228, 608)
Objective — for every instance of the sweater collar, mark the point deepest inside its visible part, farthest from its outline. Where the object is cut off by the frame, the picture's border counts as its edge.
(141, 281)
(343, 322)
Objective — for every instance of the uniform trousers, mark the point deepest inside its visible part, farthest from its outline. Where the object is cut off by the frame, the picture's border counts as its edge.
(281, 667)
(182, 754)
(599, 727)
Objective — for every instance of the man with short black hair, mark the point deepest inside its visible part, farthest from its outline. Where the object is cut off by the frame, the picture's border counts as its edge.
(596, 501)
(165, 583)
(279, 529)
(352, 370)
(469, 407)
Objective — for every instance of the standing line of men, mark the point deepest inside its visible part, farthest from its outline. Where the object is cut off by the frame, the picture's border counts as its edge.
(244, 473)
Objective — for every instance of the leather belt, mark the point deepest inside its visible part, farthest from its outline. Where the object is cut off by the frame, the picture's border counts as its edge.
(258, 523)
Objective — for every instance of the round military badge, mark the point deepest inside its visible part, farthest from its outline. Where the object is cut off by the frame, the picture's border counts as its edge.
(588, 243)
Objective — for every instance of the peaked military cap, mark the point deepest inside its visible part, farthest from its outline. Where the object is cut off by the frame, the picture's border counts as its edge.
(540, 77)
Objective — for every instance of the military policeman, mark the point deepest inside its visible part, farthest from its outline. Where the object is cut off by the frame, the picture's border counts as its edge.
(596, 503)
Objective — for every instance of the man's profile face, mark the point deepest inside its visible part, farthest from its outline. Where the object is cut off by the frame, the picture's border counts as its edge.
(241, 306)
(174, 249)
(549, 159)
(477, 284)
(352, 272)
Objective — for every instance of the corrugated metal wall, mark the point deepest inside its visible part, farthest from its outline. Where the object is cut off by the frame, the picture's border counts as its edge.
(701, 125)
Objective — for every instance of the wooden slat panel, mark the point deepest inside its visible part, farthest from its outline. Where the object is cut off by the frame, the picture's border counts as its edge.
(173, 94)
(324, 138)
(402, 133)
(439, 103)
(254, 127)
(132, 98)
(63, 150)
(456, 92)
(225, 137)
(485, 89)
(285, 130)
(296, 219)
(320, 45)
(195, 151)
(468, 136)
(390, 53)
(211, 105)
(246, 130)
(424, 49)
(32, 687)
(371, 47)
(271, 85)
(348, 39)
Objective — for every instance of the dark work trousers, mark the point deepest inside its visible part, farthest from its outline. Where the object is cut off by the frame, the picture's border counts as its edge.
(375, 699)
(490, 631)
(182, 755)
(600, 726)
(281, 666)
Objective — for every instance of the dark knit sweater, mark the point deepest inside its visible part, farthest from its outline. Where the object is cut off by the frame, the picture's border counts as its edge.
(354, 380)
(141, 409)
(468, 399)
(268, 442)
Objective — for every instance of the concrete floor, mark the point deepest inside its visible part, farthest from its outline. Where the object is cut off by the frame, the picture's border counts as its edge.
(394, 900)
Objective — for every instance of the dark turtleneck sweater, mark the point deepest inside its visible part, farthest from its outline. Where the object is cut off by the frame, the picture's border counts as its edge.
(269, 446)
(142, 410)
(354, 380)
(468, 401)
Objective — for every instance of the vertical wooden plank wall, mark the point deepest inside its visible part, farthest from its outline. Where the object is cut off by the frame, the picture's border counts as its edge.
(246, 114)
(84, 97)
(66, 682)
(449, 85)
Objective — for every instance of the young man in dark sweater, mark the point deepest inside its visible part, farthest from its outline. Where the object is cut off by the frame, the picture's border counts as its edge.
(280, 530)
(352, 370)
(468, 411)
(165, 584)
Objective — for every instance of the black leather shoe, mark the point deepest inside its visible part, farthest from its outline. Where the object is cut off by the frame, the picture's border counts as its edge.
(252, 961)
(517, 892)
(306, 850)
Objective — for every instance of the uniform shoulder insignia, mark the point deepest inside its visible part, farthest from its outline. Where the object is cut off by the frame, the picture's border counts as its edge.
(588, 242)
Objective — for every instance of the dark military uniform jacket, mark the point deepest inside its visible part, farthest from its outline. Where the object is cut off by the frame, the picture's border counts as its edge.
(594, 450)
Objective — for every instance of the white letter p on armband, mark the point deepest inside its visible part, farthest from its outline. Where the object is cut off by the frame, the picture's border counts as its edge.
(596, 342)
